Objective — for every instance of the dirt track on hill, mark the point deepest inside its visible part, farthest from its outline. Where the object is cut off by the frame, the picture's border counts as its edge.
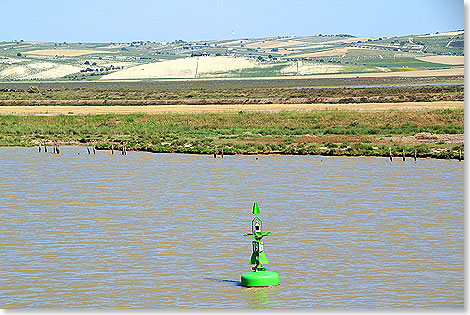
(159, 109)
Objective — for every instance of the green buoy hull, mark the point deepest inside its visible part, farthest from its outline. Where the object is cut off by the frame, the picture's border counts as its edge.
(260, 279)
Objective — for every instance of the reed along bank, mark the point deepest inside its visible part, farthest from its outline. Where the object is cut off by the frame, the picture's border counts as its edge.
(436, 133)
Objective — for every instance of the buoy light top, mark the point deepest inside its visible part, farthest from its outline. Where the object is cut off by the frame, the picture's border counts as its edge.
(255, 208)
(256, 225)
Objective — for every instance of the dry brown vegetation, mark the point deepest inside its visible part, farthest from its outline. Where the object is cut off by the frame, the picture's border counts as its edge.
(213, 96)
(158, 109)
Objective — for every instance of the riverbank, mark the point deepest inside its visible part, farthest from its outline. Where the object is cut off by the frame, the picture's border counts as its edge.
(436, 133)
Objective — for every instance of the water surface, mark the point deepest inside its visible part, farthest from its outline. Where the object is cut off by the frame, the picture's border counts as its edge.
(165, 230)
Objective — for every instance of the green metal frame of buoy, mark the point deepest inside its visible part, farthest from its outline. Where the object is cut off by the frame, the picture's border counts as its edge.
(260, 276)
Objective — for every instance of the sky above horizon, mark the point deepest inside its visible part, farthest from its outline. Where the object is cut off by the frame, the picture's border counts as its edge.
(168, 20)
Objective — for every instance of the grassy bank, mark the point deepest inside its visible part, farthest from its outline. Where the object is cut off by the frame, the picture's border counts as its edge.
(325, 132)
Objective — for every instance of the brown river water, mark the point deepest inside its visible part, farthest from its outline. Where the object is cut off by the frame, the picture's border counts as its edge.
(150, 230)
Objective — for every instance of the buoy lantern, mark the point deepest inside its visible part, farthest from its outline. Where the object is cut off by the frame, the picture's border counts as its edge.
(260, 276)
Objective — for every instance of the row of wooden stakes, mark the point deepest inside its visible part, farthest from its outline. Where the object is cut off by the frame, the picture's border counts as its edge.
(55, 147)
(90, 150)
(123, 150)
(221, 153)
(56, 150)
(415, 155)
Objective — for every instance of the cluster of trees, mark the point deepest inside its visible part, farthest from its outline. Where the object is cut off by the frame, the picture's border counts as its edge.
(105, 69)
(140, 43)
(336, 35)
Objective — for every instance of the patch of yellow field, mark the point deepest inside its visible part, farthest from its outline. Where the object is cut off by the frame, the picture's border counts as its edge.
(65, 52)
(184, 68)
(333, 52)
(447, 60)
(160, 109)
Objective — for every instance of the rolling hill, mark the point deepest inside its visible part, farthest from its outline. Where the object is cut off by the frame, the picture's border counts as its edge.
(339, 55)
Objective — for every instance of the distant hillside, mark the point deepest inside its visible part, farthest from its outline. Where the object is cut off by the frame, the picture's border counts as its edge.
(288, 56)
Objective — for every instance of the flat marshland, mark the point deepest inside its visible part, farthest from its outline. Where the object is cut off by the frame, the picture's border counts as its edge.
(240, 117)
(431, 132)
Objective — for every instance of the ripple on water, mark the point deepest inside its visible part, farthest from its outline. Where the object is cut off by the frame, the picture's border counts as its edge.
(165, 230)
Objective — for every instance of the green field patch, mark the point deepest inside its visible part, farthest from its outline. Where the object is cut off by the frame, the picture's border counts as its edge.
(405, 63)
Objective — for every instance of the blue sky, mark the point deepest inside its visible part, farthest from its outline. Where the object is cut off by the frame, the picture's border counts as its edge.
(167, 20)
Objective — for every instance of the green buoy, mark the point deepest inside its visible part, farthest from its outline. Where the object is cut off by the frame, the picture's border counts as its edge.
(260, 276)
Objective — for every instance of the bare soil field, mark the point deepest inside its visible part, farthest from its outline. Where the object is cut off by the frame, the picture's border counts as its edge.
(447, 60)
(183, 68)
(158, 109)
(65, 52)
(39, 70)
(19, 71)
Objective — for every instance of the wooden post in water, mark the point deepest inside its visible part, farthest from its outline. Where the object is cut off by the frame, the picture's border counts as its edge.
(93, 147)
(87, 149)
(112, 149)
(390, 154)
(45, 146)
(460, 155)
(404, 155)
(222, 153)
(415, 155)
(39, 148)
(215, 152)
